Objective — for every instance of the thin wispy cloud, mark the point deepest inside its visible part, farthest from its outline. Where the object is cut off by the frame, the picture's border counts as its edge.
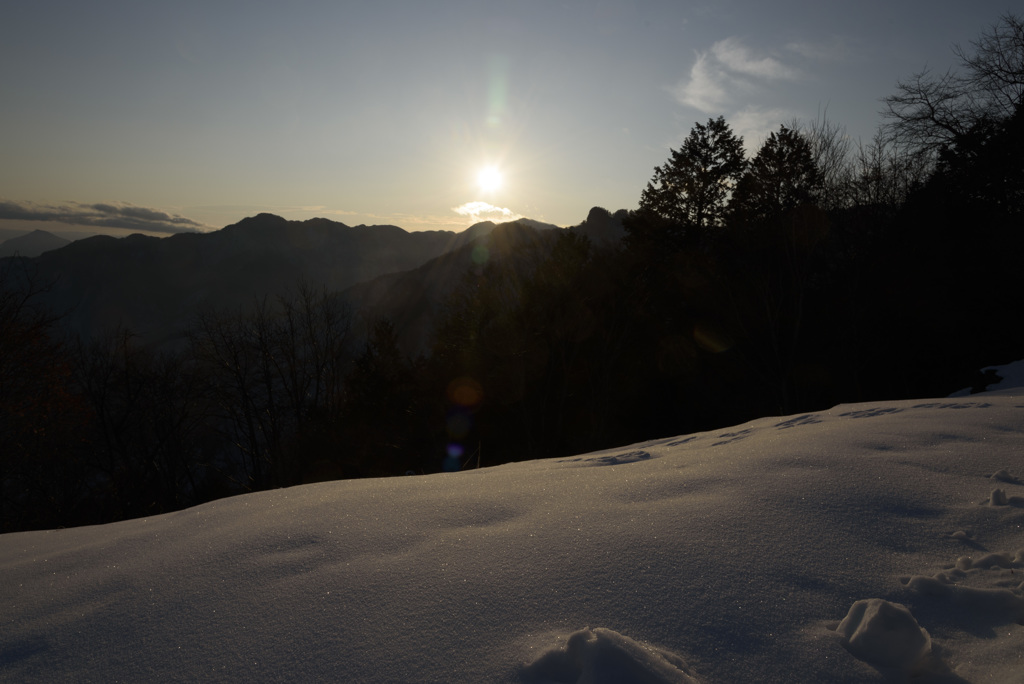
(704, 89)
(102, 215)
(729, 69)
(482, 211)
(732, 54)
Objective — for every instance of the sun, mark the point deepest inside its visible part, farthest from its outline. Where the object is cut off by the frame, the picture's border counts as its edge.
(488, 179)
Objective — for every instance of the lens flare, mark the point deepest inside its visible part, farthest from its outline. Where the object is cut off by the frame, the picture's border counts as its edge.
(465, 392)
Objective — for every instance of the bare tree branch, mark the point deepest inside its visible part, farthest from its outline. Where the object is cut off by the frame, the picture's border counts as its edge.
(929, 112)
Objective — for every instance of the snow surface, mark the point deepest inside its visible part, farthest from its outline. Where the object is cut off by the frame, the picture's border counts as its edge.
(877, 542)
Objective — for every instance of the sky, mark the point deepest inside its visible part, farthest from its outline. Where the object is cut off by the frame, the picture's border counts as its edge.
(862, 544)
(163, 117)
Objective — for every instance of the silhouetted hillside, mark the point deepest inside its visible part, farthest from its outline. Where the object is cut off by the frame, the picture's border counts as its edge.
(154, 286)
(411, 300)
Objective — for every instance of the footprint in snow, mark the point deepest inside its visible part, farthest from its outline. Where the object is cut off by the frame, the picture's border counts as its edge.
(808, 419)
(730, 437)
(954, 405)
(872, 412)
(1003, 475)
(610, 459)
(988, 587)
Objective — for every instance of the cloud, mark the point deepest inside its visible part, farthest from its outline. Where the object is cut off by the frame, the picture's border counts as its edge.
(729, 68)
(735, 56)
(704, 90)
(482, 211)
(753, 124)
(119, 215)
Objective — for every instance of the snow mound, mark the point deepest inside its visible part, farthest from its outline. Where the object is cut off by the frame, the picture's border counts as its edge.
(998, 497)
(1008, 377)
(884, 634)
(603, 656)
(1011, 376)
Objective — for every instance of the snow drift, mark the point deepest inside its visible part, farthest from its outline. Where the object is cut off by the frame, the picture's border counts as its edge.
(866, 543)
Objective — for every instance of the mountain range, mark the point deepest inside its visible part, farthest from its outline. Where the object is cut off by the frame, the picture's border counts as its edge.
(154, 286)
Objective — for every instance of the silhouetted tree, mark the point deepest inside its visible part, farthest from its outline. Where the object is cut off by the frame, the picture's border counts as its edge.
(886, 171)
(146, 429)
(774, 258)
(690, 191)
(930, 111)
(831, 151)
(384, 417)
(667, 265)
(984, 168)
(43, 481)
(557, 319)
(482, 342)
(273, 374)
(782, 177)
(961, 234)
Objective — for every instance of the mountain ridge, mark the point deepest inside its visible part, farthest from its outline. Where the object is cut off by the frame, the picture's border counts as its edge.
(155, 286)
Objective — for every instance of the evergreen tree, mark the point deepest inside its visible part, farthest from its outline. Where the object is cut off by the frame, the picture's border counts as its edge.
(782, 177)
(691, 189)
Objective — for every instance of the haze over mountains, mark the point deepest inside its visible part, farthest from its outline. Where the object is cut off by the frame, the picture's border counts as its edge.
(155, 286)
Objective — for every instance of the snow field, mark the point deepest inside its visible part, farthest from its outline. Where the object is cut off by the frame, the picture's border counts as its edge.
(800, 548)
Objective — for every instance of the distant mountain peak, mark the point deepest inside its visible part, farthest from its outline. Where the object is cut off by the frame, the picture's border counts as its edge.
(261, 219)
(32, 244)
(536, 225)
(603, 226)
(320, 221)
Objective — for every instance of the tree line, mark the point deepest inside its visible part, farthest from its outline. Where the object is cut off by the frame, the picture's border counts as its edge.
(811, 272)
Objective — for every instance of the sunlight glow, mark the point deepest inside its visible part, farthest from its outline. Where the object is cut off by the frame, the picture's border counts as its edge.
(488, 179)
